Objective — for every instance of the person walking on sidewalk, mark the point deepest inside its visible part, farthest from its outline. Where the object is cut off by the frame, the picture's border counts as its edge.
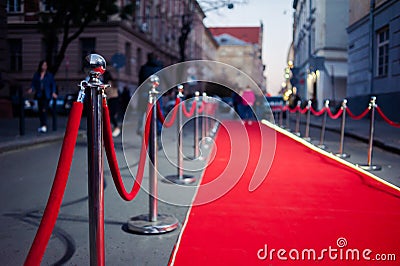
(44, 87)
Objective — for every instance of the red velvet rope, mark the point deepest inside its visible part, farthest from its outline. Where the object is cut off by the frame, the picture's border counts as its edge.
(50, 214)
(294, 110)
(357, 117)
(160, 115)
(173, 116)
(303, 111)
(285, 108)
(112, 158)
(191, 112)
(334, 116)
(387, 120)
(318, 113)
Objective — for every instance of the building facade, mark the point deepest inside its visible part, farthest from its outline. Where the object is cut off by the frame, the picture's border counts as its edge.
(374, 54)
(153, 26)
(241, 47)
(320, 49)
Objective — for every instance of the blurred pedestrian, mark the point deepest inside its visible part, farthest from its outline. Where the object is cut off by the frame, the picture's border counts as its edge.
(112, 102)
(44, 87)
(248, 100)
(152, 66)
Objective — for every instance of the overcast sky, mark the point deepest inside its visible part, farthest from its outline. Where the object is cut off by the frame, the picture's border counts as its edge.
(277, 18)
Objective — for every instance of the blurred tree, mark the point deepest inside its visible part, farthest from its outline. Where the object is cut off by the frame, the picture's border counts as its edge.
(61, 22)
(187, 19)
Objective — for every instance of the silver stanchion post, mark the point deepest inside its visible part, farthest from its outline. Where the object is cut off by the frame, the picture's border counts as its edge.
(97, 66)
(196, 125)
(341, 154)
(180, 178)
(204, 121)
(297, 130)
(307, 134)
(369, 166)
(321, 144)
(153, 223)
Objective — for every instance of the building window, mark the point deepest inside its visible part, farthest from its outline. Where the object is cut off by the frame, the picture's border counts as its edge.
(88, 46)
(14, 6)
(382, 52)
(15, 55)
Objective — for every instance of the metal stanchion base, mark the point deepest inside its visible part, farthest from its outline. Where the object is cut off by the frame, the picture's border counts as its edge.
(142, 225)
(183, 180)
(370, 167)
(307, 139)
(322, 146)
(343, 155)
(297, 134)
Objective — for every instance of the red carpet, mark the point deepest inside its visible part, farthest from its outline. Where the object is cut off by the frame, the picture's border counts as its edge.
(309, 209)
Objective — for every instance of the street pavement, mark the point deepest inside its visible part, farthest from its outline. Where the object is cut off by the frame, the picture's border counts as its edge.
(69, 244)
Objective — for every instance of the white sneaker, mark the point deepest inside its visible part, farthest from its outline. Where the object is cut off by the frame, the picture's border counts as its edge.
(116, 132)
(42, 129)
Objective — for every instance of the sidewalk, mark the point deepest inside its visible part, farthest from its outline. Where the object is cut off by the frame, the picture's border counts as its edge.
(10, 138)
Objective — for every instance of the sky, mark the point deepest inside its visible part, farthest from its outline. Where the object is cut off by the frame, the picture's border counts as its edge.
(277, 17)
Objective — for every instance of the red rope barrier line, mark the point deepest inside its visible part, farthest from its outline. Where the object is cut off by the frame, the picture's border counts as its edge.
(294, 110)
(387, 120)
(52, 209)
(191, 112)
(334, 116)
(161, 117)
(303, 111)
(357, 117)
(112, 158)
(318, 113)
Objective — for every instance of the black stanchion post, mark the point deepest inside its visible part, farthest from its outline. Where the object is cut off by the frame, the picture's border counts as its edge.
(153, 223)
(369, 166)
(180, 178)
(341, 154)
(307, 134)
(321, 144)
(21, 111)
(297, 130)
(95, 88)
